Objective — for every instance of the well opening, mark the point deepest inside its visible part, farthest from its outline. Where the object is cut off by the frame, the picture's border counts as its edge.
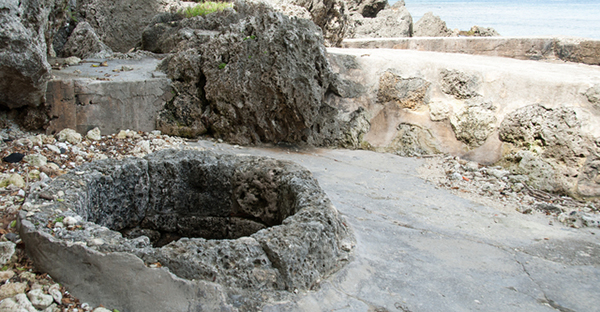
(194, 197)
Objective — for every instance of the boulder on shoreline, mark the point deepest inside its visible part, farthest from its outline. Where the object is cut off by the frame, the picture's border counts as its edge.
(393, 22)
(431, 26)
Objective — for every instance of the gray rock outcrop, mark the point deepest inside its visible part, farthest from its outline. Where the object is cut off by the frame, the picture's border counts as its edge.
(549, 147)
(329, 15)
(431, 26)
(119, 23)
(262, 78)
(389, 23)
(366, 8)
(84, 43)
(24, 69)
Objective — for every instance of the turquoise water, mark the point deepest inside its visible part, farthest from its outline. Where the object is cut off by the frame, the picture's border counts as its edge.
(579, 18)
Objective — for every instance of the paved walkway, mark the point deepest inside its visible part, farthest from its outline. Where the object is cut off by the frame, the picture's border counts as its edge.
(420, 248)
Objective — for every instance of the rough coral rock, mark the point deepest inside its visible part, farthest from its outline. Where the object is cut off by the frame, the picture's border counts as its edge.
(329, 15)
(412, 140)
(262, 78)
(120, 23)
(24, 69)
(431, 26)
(474, 123)
(408, 93)
(548, 145)
(390, 23)
(366, 8)
(593, 95)
(84, 43)
(459, 84)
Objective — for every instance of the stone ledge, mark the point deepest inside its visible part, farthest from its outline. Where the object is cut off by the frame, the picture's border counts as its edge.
(578, 50)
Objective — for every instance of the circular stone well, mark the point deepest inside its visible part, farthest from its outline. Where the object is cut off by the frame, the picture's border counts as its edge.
(185, 231)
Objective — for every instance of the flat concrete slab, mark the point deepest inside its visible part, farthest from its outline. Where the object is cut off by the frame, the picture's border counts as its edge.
(572, 49)
(420, 248)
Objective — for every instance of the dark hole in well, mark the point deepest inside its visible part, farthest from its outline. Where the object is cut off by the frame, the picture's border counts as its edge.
(166, 201)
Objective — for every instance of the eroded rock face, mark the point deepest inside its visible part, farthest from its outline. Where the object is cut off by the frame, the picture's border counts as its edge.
(459, 84)
(84, 43)
(329, 15)
(389, 23)
(366, 8)
(431, 26)
(548, 145)
(262, 78)
(593, 95)
(24, 69)
(120, 23)
(408, 93)
(281, 232)
(474, 123)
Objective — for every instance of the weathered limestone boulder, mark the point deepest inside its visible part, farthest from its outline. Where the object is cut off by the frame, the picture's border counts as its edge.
(593, 95)
(474, 122)
(24, 69)
(262, 78)
(548, 145)
(478, 31)
(367, 8)
(389, 23)
(459, 84)
(431, 26)
(408, 93)
(119, 23)
(228, 231)
(84, 43)
(329, 15)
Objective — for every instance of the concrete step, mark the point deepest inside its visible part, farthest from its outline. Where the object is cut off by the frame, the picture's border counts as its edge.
(124, 94)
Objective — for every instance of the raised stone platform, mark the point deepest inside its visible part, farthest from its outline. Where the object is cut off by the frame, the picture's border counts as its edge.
(124, 94)
(579, 50)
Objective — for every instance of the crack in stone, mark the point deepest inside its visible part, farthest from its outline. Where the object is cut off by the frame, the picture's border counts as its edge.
(546, 300)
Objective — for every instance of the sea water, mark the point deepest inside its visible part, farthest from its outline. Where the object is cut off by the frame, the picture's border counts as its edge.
(580, 18)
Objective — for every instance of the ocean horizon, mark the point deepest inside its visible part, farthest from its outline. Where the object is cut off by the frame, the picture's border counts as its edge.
(579, 18)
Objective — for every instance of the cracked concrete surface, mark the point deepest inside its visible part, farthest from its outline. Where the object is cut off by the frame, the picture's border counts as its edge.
(420, 248)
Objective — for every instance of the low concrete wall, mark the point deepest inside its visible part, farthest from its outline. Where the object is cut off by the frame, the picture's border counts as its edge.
(84, 96)
(577, 50)
(421, 103)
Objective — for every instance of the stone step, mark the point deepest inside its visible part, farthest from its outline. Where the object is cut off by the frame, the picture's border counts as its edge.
(578, 50)
(124, 94)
